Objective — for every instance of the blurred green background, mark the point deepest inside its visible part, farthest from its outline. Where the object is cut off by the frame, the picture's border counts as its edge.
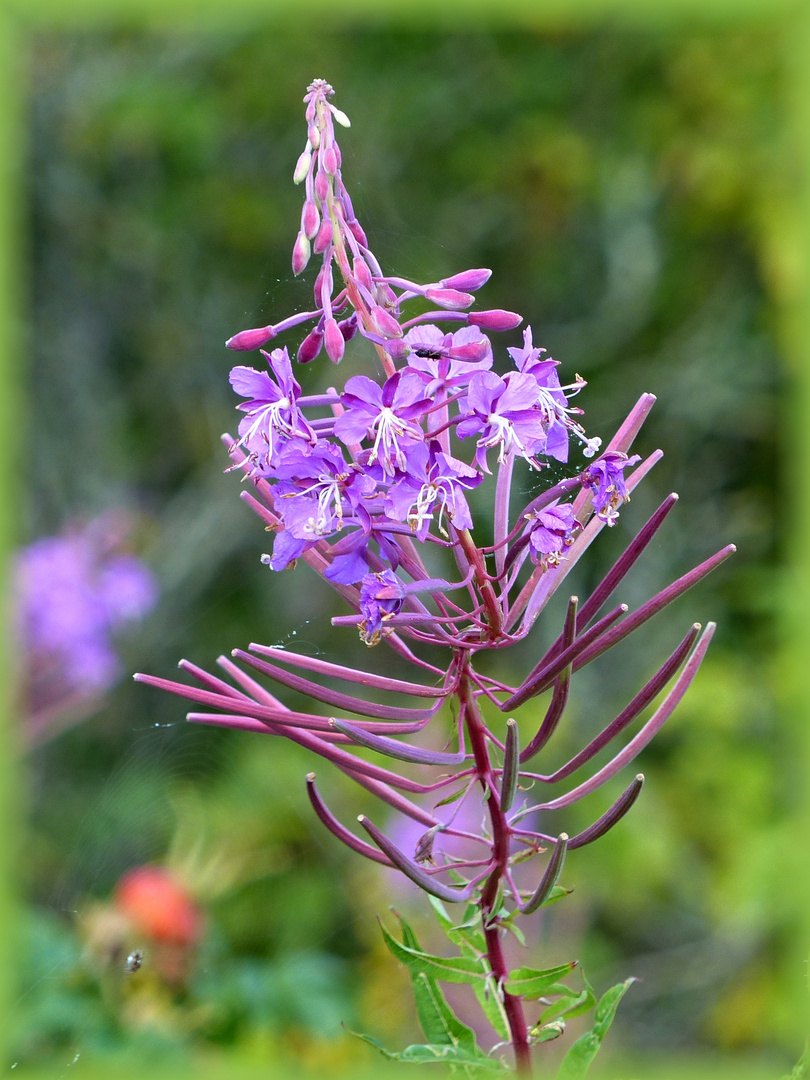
(632, 193)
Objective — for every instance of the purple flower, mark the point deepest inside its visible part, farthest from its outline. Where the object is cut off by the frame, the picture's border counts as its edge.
(447, 360)
(314, 493)
(503, 412)
(384, 413)
(273, 417)
(432, 485)
(605, 479)
(381, 596)
(72, 593)
(550, 532)
(552, 401)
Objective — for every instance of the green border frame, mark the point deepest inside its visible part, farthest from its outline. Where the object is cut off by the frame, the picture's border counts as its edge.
(21, 18)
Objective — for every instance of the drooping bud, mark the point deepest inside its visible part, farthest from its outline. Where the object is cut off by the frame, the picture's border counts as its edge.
(386, 324)
(450, 299)
(314, 136)
(301, 253)
(468, 280)
(310, 346)
(310, 219)
(348, 327)
(321, 186)
(247, 340)
(362, 273)
(333, 340)
(398, 349)
(329, 160)
(302, 165)
(324, 237)
(340, 116)
(357, 232)
(497, 319)
(475, 350)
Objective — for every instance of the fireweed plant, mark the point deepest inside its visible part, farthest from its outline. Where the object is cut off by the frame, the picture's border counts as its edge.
(365, 485)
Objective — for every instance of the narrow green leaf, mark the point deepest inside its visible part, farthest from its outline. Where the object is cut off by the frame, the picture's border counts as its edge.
(802, 1066)
(574, 1005)
(440, 1024)
(438, 1021)
(459, 969)
(529, 983)
(453, 1056)
(491, 1003)
(577, 1061)
(451, 798)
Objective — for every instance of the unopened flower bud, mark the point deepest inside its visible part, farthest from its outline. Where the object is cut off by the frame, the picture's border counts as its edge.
(362, 272)
(346, 203)
(497, 319)
(468, 280)
(310, 219)
(310, 346)
(475, 350)
(246, 340)
(398, 349)
(323, 281)
(357, 232)
(324, 237)
(321, 186)
(301, 253)
(330, 162)
(340, 116)
(302, 166)
(333, 340)
(450, 299)
(314, 136)
(348, 327)
(386, 324)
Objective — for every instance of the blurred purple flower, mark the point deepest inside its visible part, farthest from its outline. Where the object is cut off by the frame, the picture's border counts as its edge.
(72, 593)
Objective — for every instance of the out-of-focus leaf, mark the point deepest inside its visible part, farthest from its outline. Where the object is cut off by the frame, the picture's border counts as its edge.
(452, 1056)
(577, 1061)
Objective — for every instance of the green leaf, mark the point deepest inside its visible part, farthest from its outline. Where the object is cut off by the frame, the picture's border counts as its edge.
(578, 1059)
(802, 1066)
(557, 893)
(437, 1020)
(459, 969)
(546, 1032)
(451, 798)
(491, 1003)
(465, 935)
(452, 1056)
(529, 983)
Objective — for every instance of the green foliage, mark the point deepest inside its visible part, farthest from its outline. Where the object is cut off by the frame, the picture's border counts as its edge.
(450, 1041)
(802, 1066)
(577, 1061)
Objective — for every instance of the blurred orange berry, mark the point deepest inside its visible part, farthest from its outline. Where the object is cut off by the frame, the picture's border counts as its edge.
(159, 906)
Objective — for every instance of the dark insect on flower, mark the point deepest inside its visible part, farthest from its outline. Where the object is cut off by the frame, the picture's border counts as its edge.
(429, 354)
(133, 962)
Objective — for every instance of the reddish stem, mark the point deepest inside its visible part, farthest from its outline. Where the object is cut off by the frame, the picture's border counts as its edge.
(501, 832)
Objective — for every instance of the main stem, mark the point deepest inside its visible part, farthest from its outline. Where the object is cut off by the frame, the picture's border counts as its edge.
(513, 1006)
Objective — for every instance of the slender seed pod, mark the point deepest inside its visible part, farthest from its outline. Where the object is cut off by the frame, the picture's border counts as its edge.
(549, 878)
(511, 764)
